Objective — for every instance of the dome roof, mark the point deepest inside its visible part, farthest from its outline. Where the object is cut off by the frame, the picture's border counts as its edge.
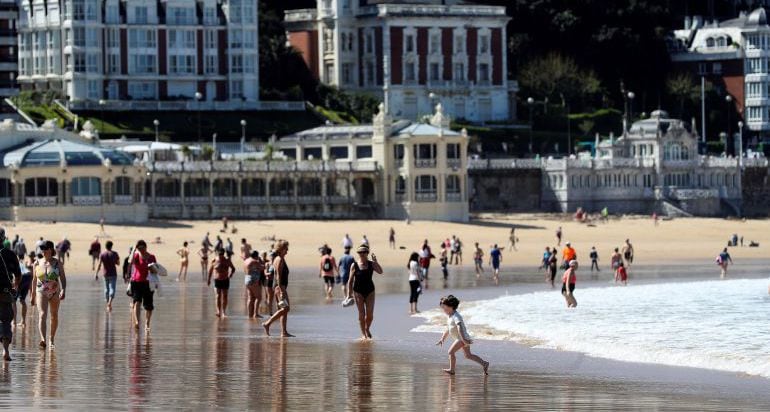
(758, 17)
(56, 152)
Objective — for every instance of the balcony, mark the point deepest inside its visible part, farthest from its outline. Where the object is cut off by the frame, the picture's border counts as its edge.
(426, 196)
(454, 163)
(424, 163)
(399, 163)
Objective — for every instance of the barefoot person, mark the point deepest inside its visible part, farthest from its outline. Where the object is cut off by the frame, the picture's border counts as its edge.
(184, 262)
(9, 280)
(414, 282)
(362, 286)
(495, 258)
(478, 260)
(109, 260)
(456, 329)
(628, 253)
(568, 284)
(594, 255)
(267, 281)
(392, 238)
(245, 249)
(723, 260)
(346, 261)
(141, 293)
(615, 260)
(281, 270)
(553, 263)
(327, 269)
(51, 284)
(94, 251)
(255, 271)
(622, 275)
(225, 270)
(27, 266)
(203, 252)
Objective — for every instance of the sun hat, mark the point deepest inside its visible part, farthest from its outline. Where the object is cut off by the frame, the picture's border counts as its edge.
(363, 249)
(573, 263)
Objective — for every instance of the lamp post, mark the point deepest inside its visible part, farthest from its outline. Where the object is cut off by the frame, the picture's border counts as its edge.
(740, 166)
(214, 146)
(530, 102)
(156, 123)
(723, 138)
(198, 97)
(101, 115)
(631, 97)
(728, 102)
(243, 134)
(740, 143)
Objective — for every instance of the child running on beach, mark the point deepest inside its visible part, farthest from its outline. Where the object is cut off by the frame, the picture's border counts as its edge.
(456, 329)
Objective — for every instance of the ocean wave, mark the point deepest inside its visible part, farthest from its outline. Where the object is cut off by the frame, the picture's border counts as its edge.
(717, 325)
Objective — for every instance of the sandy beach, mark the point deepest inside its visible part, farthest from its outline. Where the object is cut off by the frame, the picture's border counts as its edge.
(672, 242)
(191, 360)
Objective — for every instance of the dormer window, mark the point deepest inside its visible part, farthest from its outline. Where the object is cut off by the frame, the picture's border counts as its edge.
(710, 42)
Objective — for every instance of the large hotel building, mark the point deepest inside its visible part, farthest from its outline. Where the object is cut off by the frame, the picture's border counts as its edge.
(141, 51)
(411, 54)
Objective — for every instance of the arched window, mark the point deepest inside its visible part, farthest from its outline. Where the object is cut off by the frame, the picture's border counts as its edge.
(86, 190)
(197, 187)
(721, 42)
(281, 188)
(710, 42)
(122, 186)
(309, 187)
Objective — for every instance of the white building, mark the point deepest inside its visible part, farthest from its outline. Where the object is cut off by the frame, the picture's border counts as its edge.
(411, 55)
(733, 54)
(142, 51)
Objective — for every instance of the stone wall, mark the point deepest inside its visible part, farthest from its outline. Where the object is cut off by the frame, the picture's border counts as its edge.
(511, 190)
(756, 192)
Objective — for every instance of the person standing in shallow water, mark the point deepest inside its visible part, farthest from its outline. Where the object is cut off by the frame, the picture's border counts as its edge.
(255, 271)
(281, 271)
(109, 260)
(51, 284)
(184, 262)
(203, 252)
(362, 286)
(723, 260)
(456, 329)
(141, 293)
(225, 271)
(568, 284)
(9, 279)
(414, 282)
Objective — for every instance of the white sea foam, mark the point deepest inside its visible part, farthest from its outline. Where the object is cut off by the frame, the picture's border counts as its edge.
(720, 325)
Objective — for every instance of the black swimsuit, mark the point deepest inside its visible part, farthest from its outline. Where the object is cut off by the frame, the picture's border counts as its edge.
(363, 283)
(283, 277)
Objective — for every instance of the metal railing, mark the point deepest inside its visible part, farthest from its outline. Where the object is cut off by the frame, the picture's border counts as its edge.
(426, 196)
(86, 200)
(424, 163)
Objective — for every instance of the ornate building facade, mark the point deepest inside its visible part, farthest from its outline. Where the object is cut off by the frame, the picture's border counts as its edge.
(411, 55)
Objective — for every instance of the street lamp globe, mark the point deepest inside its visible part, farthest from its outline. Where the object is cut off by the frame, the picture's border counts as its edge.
(631, 95)
(156, 122)
(740, 125)
(102, 102)
(198, 96)
(728, 98)
(530, 100)
(243, 123)
(432, 96)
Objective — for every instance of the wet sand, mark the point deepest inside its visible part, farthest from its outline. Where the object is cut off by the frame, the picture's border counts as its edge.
(191, 360)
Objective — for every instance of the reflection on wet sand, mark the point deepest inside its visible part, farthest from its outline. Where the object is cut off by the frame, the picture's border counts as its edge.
(193, 361)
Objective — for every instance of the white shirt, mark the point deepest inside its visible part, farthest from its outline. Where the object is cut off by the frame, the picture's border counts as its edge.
(347, 242)
(455, 323)
(414, 270)
(365, 241)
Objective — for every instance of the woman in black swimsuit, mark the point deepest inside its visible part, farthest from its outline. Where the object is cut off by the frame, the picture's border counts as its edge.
(281, 271)
(361, 284)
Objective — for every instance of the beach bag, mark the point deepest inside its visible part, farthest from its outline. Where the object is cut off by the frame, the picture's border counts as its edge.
(161, 270)
(719, 260)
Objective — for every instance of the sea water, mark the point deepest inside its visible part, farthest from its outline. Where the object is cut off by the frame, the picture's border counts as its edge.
(721, 325)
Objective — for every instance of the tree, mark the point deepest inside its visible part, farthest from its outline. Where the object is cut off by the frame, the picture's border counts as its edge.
(682, 87)
(207, 152)
(558, 77)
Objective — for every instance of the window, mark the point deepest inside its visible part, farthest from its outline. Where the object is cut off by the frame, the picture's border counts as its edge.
(710, 42)
(181, 39)
(329, 72)
(249, 64)
(142, 63)
(184, 64)
(86, 186)
(78, 9)
(142, 90)
(113, 38)
(347, 73)
(91, 10)
(459, 74)
(92, 63)
(459, 44)
(140, 15)
(211, 62)
(112, 15)
(721, 42)
(122, 186)
(369, 73)
(453, 151)
(138, 38)
(92, 38)
(409, 72)
(425, 188)
(369, 43)
(41, 187)
(409, 43)
(435, 72)
(93, 90)
(249, 39)
(435, 44)
(236, 63)
(210, 39)
(210, 16)
(483, 72)
(236, 39)
(113, 63)
(453, 184)
(338, 152)
(236, 89)
(363, 152)
(180, 15)
(400, 187)
(756, 65)
(248, 12)
(79, 62)
(398, 152)
(484, 44)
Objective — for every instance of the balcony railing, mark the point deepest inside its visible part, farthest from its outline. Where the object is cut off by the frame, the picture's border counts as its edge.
(426, 197)
(196, 200)
(87, 200)
(5, 201)
(123, 200)
(40, 201)
(424, 163)
(454, 197)
(400, 197)
(454, 163)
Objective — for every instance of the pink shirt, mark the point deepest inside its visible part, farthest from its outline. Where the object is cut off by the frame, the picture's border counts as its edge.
(140, 267)
(569, 277)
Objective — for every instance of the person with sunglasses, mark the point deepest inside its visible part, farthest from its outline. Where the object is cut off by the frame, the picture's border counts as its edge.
(49, 291)
(141, 292)
(362, 286)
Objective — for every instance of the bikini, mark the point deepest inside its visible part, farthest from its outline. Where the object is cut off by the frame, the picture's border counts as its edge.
(363, 284)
